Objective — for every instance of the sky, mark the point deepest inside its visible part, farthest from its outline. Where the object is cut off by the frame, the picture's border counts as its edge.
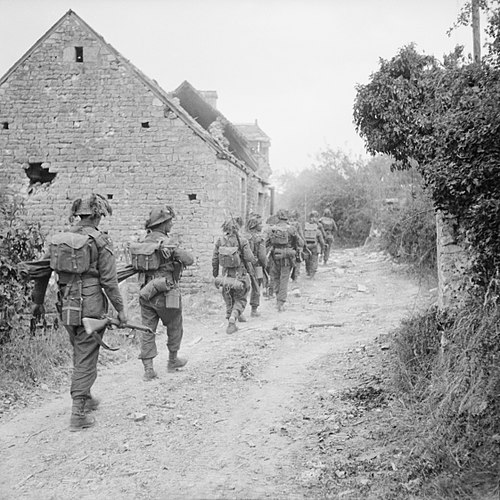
(293, 65)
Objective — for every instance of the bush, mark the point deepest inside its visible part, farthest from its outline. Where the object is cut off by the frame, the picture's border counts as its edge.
(453, 393)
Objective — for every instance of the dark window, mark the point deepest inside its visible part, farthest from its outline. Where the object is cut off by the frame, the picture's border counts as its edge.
(79, 54)
(5, 125)
(145, 124)
(37, 173)
(109, 196)
(192, 197)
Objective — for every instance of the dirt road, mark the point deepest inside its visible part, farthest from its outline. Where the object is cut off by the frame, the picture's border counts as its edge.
(227, 426)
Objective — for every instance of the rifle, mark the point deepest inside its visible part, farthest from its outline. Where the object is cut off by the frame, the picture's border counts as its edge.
(93, 326)
(253, 279)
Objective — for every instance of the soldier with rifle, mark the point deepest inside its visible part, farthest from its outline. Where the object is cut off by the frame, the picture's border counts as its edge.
(85, 264)
(283, 241)
(258, 248)
(233, 254)
(329, 226)
(160, 264)
(314, 241)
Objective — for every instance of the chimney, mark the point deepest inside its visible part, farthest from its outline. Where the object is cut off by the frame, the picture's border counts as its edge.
(210, 96)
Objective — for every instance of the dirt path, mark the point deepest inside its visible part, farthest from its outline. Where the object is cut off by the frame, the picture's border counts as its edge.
(226, 426)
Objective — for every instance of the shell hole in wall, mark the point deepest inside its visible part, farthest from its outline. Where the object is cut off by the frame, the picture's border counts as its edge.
(5, 125)
(79, 54)
(192, 196)
(109, 196)
(145, 124)
(38, 174)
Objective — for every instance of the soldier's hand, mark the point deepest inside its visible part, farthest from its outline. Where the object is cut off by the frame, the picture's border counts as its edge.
(37, 310)
(122, 317)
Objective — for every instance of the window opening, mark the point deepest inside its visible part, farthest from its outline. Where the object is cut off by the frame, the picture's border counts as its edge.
(145, 124)
(5, 125)
(37, 173)
(79, 54)
(109, 196)
(192, 196)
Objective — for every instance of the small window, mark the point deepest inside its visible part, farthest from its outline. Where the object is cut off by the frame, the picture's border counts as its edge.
(5, 125)
(145, 124)
(37, 173)
(79, 54)
(192, 196)
(109, 196)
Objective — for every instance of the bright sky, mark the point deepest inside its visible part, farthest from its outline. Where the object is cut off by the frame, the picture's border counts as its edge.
(291, 64)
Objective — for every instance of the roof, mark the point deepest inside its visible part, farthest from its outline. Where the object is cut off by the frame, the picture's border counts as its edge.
(252, 132)
(204, 113)
(186, 117)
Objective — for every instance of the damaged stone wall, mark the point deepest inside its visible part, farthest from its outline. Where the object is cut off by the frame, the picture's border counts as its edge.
(99, 128)
(452, 260)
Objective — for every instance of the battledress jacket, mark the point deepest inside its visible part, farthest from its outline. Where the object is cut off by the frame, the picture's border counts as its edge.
(245, 252)
(171, 256)
(99, 279)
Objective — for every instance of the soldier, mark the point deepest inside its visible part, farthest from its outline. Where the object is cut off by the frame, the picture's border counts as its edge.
(314, 241)
(258, 248)
(233, 254)
(294, 221)
(283, 242)
(160, 264)
(86, 274)
(329, 226)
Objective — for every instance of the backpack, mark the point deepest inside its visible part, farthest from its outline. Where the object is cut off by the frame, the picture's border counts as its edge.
(327, 223)
(278, 235)
(145, 255)
(70, 252)
(229, 256)
(310, 231)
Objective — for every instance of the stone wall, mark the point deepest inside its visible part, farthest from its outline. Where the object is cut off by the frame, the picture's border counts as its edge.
(99, 128)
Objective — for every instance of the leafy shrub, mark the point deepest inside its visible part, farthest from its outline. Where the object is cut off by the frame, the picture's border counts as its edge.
(20, 240)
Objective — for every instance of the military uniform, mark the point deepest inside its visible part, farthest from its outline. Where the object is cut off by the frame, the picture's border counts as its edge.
(329, 226)
(258, 249)
(90, 290)
(234, 293)
(164, 302)
(282, 255)
(314, 241)
(294, 221)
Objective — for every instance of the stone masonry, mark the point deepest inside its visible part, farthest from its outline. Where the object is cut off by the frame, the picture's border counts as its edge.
(74, 107)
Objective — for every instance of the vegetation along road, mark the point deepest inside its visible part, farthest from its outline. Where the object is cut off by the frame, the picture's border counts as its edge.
(262, 413)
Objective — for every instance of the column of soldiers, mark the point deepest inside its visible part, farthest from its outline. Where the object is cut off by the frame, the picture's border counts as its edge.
(242, 265)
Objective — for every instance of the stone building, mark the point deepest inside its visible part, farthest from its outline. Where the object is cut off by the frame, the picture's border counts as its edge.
(76, 117)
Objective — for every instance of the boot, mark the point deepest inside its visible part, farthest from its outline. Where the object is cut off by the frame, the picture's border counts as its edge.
(91, 403)
(281, 306)
(79, 419)
(242, 319)
(149, 372)
(174, 362)
(231, 326)
(254, 313)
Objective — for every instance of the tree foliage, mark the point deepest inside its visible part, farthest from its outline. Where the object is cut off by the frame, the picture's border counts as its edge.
(445, 119)
(20, 240)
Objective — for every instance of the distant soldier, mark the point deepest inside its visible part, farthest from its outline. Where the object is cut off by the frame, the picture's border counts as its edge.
(232, 253)
(329, 226)
(268, 282)
(314, 241)
(85, 264)
(283, 242)
(294, 221)
(160, 264)
(258, 248)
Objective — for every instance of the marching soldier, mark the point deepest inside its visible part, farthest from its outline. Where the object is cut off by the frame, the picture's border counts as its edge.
(233, 254)
(258, 248)
(86, 274)
(314, 241)
(160, 264)
(283, 242)
(329, 226)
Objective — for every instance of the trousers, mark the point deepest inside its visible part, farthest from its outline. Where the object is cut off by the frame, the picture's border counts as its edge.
(151, 312)
(280, 270)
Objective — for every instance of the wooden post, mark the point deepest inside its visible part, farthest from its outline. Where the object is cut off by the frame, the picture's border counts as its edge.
(475, 32)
